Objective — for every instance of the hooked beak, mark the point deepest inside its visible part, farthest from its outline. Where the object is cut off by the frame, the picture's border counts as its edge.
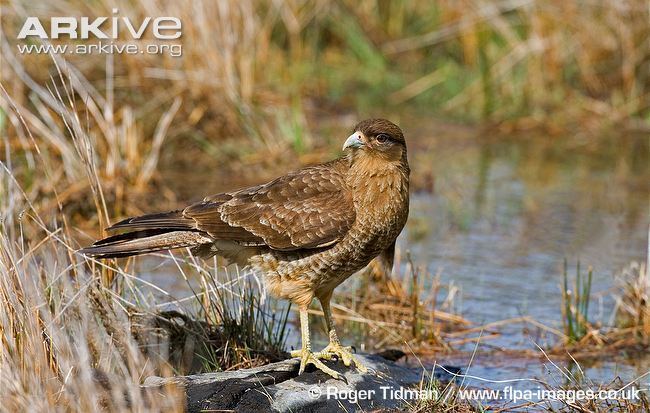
(354, 141)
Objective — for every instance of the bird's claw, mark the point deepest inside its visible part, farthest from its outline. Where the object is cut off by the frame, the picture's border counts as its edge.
(335, 349)
(308, 357)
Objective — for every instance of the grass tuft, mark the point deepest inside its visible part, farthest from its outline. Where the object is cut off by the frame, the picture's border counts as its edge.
(633, 301)
(575, 304)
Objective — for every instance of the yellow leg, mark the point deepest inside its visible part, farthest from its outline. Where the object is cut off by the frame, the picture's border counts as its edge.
(334, 348)
(305, 354)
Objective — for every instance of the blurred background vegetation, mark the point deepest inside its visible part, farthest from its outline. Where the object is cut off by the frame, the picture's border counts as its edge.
(263, 85)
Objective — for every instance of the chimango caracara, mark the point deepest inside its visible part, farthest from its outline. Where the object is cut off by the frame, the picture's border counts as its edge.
(304, 233)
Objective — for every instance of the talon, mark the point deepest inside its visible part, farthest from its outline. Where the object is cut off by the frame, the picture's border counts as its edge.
(335, 349)
(307, 357)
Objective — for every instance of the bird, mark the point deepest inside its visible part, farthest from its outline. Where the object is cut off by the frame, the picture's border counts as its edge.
(305, 232)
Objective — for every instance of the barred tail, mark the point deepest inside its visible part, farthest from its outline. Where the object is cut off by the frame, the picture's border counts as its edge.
(141, 242)
(153, 232)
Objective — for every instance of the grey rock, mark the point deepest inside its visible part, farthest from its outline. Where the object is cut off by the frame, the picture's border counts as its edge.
(277, 387)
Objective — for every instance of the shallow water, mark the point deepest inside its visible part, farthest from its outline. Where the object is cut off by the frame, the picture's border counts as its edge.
(497, 216)
(503, 215)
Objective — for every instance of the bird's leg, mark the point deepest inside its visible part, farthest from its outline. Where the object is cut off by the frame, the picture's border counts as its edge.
(305, 354)
(335, 348)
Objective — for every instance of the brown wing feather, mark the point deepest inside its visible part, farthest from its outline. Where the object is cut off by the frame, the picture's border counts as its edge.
(308, 208)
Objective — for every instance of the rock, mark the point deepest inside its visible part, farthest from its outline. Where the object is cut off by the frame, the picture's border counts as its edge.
(277, 387)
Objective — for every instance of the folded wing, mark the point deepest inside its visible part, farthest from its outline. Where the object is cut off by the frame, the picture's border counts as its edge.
(309, 208)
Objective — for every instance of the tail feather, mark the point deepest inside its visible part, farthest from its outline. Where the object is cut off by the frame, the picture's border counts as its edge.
(167, 220)
(144, 241)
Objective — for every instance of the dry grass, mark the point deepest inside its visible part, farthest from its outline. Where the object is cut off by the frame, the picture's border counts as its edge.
(79, 334)
(633, 301)
(63, 345)
(264, 73)
(69, 343)
(403, 309)
(628, 329)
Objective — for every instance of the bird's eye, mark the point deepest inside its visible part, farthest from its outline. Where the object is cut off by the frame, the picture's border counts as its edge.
(382, 138)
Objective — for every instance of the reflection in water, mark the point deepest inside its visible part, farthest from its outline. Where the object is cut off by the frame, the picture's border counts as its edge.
(506, 212)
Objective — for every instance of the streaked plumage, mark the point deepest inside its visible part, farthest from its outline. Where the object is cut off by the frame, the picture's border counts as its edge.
(305, 232)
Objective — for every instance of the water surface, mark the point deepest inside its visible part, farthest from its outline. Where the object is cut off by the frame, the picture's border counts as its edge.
(503, 213)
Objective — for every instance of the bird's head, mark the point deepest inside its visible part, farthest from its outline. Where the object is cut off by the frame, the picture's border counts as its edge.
(378, 139)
